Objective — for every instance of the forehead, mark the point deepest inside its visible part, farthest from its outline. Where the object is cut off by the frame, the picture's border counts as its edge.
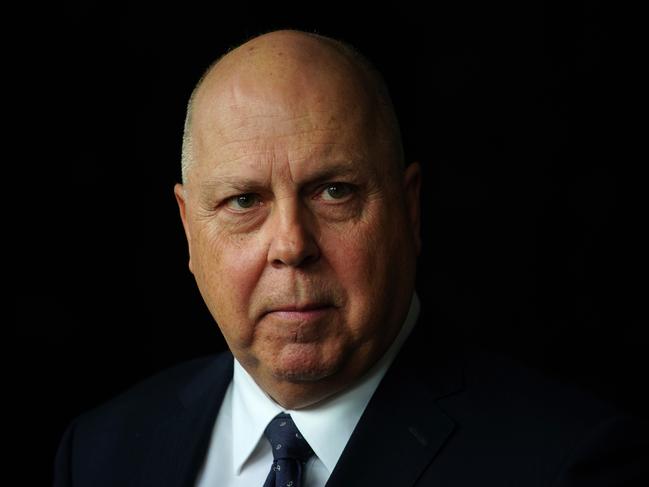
(245, 128)
(299, 159)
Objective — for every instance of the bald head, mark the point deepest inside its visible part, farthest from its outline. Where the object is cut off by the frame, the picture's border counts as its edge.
(285, 68)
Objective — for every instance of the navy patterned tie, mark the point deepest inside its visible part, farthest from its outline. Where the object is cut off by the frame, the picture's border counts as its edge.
(290, 452)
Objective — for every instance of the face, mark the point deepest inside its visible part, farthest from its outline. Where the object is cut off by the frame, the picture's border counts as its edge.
(302, 241)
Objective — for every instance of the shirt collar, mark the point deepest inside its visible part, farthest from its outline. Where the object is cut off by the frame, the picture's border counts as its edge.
(327, 426)
(252, 410)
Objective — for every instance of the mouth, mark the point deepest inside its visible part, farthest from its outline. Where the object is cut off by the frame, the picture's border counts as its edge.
(304, 312)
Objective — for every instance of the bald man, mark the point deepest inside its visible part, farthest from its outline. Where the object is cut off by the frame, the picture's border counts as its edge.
(302, 223)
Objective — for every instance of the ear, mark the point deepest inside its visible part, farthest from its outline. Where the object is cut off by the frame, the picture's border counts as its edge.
(180, 193)
(412, 186)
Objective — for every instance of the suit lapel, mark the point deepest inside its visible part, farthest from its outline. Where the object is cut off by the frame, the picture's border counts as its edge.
(403, 427)
(178, 445)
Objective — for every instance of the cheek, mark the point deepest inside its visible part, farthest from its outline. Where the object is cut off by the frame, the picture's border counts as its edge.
(226, 271)
(357, 259)
(351, 260)
(370, 262)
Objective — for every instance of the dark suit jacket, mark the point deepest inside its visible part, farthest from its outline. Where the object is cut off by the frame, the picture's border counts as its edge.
(442, 416)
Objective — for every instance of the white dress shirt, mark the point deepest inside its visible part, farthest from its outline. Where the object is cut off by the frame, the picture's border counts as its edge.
(240, 456)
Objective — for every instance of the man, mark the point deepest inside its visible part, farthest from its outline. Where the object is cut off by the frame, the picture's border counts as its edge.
(302, 222)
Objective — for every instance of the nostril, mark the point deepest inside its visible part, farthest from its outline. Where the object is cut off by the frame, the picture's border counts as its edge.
(297, 260)
(293, 255)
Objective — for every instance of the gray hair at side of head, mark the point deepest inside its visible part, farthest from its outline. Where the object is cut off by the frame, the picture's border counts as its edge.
(386, 107)
(187, 152)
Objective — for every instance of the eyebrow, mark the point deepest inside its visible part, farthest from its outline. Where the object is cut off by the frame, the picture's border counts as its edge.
(228, 182)
(335, 170)
(244, 184)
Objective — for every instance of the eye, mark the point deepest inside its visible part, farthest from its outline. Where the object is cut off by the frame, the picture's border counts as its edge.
(243, 202)
(336, 191)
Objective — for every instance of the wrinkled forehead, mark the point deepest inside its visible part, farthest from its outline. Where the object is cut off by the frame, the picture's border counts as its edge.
(249, 109)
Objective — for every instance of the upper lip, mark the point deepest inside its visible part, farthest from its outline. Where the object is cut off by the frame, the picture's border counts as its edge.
(298, 307)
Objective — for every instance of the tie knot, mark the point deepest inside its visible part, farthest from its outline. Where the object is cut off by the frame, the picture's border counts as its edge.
(285, 439)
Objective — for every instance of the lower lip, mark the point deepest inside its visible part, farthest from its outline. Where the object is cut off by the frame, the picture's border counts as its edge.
(304, 315)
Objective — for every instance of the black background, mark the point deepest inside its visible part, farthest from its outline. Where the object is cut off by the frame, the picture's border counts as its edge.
(534, 212)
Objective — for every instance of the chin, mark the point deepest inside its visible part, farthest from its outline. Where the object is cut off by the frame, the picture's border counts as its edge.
(302, 375)
(303, 364)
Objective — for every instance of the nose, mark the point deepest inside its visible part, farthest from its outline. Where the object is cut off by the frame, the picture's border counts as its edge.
(293, 242)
